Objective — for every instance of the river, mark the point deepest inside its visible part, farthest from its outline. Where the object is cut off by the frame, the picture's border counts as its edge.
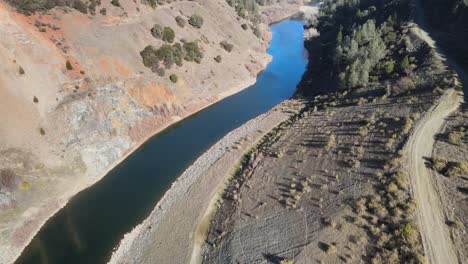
(91, 225)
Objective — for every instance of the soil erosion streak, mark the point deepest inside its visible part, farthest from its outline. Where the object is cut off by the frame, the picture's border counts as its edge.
(436, 240)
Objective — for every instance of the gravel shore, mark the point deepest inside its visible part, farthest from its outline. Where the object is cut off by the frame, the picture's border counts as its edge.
(160, 239)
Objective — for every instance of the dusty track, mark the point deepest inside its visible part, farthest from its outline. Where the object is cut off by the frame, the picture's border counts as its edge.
(436, 239)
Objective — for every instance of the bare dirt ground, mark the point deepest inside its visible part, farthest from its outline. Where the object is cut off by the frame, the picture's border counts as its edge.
(173, 230)
(331, 185)
(452, 191)
(436, 238)
(292, 199)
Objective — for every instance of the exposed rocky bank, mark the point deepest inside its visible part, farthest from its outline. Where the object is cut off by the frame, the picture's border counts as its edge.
(76, 97)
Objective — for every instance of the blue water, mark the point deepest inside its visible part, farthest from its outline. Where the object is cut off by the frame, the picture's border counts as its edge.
(95, 220)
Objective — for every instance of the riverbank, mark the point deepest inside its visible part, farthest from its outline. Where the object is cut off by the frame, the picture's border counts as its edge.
(36, 222)
(334, 185)
(167, 234)
(66, 127)
(72, 222)
(141, 242)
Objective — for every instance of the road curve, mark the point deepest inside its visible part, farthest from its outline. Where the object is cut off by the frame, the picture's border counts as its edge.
(437, 243)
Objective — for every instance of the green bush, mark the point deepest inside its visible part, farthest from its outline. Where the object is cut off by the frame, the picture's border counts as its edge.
(157, 31)
(457, 169)
(169, 55)
(173, 78)
(68, 65)
(115, 3)
(192, 52)
(168, 35)
(152, 3)
(456, 137)
(196, 21)
(405, 63)
(389, 67)
(226, 45)
(180, 21)
(80, 6)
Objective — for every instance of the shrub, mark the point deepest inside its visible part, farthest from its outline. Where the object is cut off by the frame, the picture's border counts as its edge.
(21, 70)
(68, 65)
(330, 142)
(157, 31)
(35, 100)
(218, 59)
(103, 11)
(168, 35)
(196, 21)
(115, 3)
(407, 126)
(457, 168)
(226, 45)
(244, 26)
(456, 224)
(42, 131)
(24, 185)
(180, 21)
(330, 249)
(405, 84)
(192, 52)
(286, 261)
(405, 63)
(168, 55)
(152, 3)
(80, 6)
(438, 164)
(389, 67)
(455, 137)
(173, 78)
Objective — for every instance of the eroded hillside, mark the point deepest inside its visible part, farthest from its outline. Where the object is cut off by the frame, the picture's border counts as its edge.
(77, 94)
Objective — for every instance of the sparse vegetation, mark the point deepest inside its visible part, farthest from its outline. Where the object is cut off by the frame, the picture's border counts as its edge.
(21, 70)
(157, 31)
(226, 45)
(180, 21)
(173, 78)
(218, 59)
(115, 3)
(68, 65)
(166, 56)
(331, 142)
(456, 136)
(287, 261)
(24, 185)
(196, 21)
(168, 35)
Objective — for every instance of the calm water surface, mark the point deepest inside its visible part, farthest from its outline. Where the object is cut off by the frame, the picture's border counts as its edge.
(95, 220)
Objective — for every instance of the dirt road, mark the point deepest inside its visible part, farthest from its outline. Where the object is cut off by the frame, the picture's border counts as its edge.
(437, 243)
